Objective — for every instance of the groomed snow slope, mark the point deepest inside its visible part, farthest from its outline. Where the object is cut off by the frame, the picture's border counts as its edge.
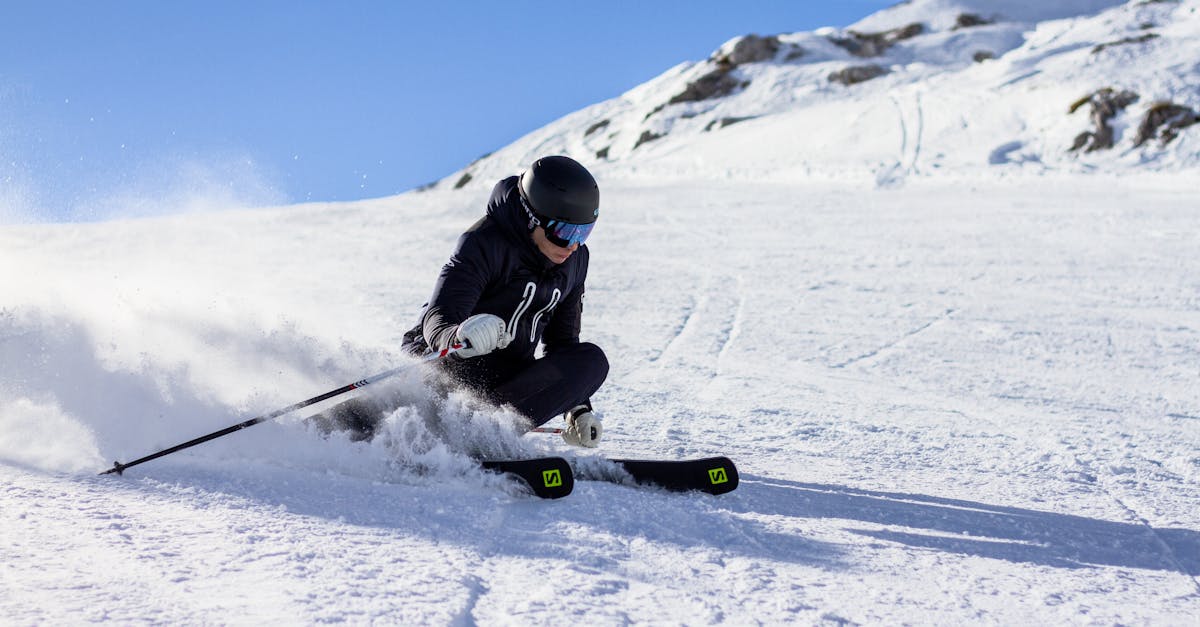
(949, 405)
(957, 368)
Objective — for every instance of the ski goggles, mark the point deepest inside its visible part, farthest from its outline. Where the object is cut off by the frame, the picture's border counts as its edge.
(566, 234)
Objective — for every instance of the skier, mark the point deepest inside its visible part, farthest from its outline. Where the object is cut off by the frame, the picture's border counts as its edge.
(516, 279)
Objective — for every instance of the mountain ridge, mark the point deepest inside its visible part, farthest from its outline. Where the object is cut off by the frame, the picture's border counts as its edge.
(924, 88)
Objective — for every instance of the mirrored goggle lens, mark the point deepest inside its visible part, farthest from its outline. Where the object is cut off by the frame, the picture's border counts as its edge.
(565, 234)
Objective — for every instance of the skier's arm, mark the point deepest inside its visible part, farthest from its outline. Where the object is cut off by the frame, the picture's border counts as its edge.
(458, 288)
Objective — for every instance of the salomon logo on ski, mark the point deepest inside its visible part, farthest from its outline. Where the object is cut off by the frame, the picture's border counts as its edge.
(715, 475)
(547, 477)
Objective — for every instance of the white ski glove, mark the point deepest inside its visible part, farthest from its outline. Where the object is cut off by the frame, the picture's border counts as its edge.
(482, 333)
(583, 428)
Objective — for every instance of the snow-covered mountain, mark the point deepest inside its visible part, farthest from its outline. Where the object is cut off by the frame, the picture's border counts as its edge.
(926, 88)
(955, 361)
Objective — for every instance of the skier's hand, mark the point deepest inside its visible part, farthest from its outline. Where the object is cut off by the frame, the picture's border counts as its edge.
(482, 333)
(583, 429)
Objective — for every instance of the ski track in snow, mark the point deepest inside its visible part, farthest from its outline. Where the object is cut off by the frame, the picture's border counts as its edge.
(1170, 560)
(893, 343)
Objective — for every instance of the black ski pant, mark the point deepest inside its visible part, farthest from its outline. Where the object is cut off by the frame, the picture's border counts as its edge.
(538, 389)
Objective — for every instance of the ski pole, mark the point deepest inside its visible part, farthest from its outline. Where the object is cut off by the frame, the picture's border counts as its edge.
(545, 430)
(119, 468)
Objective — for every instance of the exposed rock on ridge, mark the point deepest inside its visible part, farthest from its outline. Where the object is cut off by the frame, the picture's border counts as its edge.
(1165, 114)
(875, 44)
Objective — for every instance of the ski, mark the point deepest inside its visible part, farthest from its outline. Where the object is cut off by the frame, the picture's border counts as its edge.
(548, 477)
(714, 475)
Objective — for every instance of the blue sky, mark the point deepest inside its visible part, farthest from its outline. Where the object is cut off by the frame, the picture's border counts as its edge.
(107, 104)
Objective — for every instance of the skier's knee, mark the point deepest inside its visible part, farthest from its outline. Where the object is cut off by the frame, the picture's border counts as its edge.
(597, 361)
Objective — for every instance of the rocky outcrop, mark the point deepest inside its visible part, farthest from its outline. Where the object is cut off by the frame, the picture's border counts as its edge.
(983, 55)
(1105, 103)
(647, 136)
(969, 20)
(467, 175)
(857, 74)
(1140, 39)
(723, 122)
(721, 80)
(602, 124)
(747, 49)
(875, 44)
(718, 83)
(1163, 121)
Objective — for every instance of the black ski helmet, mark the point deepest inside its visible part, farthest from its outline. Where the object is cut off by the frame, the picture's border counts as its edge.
(559, 188)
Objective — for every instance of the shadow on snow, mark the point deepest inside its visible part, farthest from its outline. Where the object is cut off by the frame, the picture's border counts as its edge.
(597, 528)
(972, 528)
(601, 525)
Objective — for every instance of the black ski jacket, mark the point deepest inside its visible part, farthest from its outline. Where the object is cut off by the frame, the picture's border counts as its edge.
(496, 268)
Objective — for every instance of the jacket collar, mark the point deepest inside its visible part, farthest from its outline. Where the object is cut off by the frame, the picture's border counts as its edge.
(505, 208)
